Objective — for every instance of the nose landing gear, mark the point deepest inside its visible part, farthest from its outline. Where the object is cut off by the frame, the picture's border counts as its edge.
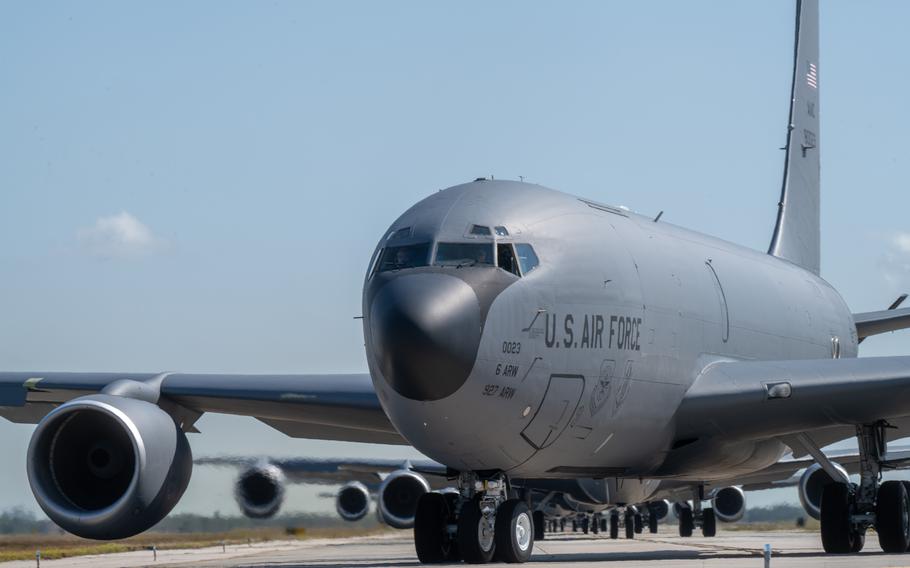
(479, 524)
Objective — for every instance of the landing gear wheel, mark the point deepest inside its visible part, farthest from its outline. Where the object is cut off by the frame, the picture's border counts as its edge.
(907, 488)
(584, 525)
(431, 538)
(595, 525)
(630, 525)
(637, 523)
(514, 531)
(452, 500)
(538, 525)
(603, 524)
(652, 523)
(574, 526)
(614, 526)
(562, 525)
(708, 523)
(838, 536)
(892, 517)
(686, 522)
(475, 534)
(859, 539)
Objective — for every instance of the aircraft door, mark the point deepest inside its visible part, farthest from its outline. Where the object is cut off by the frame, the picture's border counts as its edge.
(558, 406)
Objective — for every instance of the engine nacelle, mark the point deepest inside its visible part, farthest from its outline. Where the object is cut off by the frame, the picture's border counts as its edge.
(259, 491)
(352, 501)
(678, 506)
(811, 484)
(660, 509)
(729, 504)
(107, 467)
(398, 496)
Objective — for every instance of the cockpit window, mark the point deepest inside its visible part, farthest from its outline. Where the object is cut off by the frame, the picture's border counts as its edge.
(505, 258)
(408, 256)
(400, 234)
(527, 258)
(501, 231)
(480, 230)
(464, 254)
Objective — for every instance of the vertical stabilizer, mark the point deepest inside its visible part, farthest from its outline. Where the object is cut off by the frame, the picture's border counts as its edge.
(797, 234)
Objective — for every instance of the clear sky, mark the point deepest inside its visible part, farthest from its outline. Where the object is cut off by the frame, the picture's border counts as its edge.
(198, 185)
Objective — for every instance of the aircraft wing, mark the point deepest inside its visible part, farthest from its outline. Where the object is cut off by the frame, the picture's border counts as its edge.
(783, 473)
(327, 407)
(763, 399)
(330, 471)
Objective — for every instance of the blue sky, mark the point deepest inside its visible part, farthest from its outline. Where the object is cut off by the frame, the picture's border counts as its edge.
(198, 186)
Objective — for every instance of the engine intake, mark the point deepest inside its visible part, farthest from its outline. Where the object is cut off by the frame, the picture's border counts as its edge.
(107, 467)
(398, 496)
(259, 491)
(660, 509)
(352, 501)
(729, 504)
(811, 483)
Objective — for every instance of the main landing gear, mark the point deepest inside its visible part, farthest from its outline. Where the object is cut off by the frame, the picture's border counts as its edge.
(479, 524)
(847, 509)
(696, 516)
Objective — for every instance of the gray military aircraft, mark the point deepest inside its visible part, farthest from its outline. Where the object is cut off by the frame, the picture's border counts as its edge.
(396, 486)
(514, 332)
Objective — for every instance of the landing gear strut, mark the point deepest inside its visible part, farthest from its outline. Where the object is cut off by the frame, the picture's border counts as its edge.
(479, 524)
(847, 510)
(696, 516)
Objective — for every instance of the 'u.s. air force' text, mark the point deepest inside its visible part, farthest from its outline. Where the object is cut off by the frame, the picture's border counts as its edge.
(587, 332)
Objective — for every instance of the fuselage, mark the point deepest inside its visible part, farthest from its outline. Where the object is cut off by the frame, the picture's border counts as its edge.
(574, 367)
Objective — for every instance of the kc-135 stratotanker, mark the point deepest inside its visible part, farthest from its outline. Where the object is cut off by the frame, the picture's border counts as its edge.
(526, 339)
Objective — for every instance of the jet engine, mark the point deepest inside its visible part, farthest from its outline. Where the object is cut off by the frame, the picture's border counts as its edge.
(729, 504)
(352, 501)
(260, 491)
(398, 496)
(660, 509)
(107, 467)
(678, 506)
(810, 487)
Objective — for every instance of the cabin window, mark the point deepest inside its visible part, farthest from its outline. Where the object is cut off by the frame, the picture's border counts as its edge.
(505, 258)
(527, 258)
(464, 254)
(408, 256)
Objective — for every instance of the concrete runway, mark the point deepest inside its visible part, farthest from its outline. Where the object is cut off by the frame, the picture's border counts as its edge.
(728, 549)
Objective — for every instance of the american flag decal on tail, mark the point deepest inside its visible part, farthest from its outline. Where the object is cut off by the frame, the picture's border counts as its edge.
(812, 76)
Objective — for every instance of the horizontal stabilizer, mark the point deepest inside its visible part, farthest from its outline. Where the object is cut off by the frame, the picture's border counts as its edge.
(873, 323)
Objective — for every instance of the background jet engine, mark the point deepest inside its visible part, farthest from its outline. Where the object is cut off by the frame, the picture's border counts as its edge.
(107, 467)
(810, 487)
(660, 509)
(259, 491)
(398, 496)
(729, 504)
(352, 501)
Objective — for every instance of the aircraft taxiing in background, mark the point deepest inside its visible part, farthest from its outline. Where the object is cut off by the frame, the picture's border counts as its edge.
(527, 339)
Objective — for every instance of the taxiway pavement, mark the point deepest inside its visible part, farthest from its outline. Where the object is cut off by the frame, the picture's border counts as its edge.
(732, 549)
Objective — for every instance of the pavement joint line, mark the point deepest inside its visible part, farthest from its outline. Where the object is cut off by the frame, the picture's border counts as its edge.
(713, 547)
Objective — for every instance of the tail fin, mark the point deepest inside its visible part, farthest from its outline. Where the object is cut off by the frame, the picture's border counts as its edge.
(797, 234)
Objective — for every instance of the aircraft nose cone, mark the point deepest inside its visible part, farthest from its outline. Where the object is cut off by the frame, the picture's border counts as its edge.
(425, 332)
